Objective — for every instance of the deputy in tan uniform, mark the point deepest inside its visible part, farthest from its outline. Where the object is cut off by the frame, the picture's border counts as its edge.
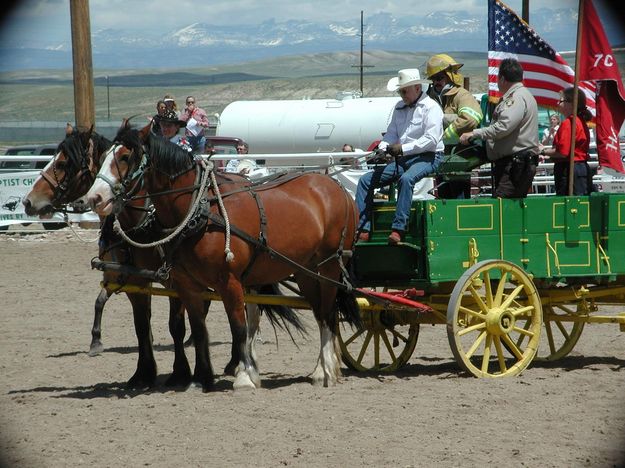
(462, 113)
(512, 137)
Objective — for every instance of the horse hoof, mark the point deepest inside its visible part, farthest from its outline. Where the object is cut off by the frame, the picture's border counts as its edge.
(96, 348)
(137, 383)
(178, 381)
(245, 382)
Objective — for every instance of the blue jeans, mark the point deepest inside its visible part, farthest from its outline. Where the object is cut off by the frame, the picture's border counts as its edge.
(197, 143)
(409, 171)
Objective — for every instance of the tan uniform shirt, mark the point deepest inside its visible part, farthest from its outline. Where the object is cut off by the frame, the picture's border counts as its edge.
(514, 126)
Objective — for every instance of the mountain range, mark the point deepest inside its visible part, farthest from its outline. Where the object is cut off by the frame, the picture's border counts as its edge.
(202, 44)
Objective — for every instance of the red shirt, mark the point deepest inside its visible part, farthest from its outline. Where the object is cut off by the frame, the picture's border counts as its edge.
(562, 139)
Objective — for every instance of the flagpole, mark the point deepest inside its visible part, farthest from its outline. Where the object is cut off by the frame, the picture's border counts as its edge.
(580, 18)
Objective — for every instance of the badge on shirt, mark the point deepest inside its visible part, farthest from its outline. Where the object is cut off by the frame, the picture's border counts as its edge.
(509, 102)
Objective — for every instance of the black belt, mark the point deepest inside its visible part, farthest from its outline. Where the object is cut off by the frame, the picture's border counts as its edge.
(519, 157)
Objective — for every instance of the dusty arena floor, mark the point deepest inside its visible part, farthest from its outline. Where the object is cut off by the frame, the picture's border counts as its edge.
(62, 408)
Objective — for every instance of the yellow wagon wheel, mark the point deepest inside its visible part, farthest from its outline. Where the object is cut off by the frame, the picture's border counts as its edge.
(494, 303)
(560, 336)
(385, 343)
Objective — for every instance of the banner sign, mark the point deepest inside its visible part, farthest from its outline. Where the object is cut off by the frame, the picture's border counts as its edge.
(14, 186)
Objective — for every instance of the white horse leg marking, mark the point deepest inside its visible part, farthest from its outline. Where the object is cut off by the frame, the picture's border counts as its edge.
(248, 376)
(327, 371)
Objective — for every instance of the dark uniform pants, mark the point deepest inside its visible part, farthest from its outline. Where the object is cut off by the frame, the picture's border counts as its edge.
(513, 175)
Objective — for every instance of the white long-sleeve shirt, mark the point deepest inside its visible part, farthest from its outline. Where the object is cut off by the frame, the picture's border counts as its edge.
(419, 129)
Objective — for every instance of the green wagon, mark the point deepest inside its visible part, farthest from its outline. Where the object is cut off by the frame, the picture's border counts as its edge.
(513, 280)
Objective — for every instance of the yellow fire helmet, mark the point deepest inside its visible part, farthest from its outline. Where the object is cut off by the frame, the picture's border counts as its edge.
(443, 62)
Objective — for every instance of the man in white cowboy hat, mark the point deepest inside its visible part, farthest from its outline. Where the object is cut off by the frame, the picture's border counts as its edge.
(414, 139)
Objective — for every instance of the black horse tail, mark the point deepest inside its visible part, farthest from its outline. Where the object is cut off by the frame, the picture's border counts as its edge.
(349, 311)
(280, 316)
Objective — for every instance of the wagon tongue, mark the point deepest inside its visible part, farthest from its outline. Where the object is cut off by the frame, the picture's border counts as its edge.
(398, 297)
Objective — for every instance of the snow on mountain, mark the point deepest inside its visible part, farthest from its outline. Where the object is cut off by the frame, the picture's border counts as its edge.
(205, 44)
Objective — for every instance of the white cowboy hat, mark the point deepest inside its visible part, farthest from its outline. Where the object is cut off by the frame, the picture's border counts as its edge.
(407, 77)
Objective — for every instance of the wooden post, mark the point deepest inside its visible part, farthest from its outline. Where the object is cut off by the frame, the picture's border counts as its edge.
(525, 11)
(84, 107)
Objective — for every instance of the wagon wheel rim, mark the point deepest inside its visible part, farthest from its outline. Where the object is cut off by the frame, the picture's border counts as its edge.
(494, 303)
(382, 345)
(560, 336)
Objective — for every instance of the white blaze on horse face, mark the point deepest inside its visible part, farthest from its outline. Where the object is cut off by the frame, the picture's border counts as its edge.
(37, 197)
(100, 193)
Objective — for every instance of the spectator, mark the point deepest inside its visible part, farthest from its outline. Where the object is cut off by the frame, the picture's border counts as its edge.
(560, 153)
(170, 126)
(161, 108)
(170, 103)
(462, 113)
(554, 124)
(241, 166)
(414, 139)
(353, 162)
(197, 122)
(512, 136)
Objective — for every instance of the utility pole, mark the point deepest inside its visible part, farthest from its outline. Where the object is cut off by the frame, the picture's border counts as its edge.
(84, 107)
(108, 98)
(362, 65)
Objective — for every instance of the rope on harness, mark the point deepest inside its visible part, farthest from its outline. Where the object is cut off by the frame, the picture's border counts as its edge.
(224, 213)
(196, 202)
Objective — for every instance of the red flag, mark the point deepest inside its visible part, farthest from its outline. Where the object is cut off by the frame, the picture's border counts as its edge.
(597, 63)
(545, 72)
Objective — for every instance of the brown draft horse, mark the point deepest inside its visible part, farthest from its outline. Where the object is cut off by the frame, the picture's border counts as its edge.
(304, 221)
(64, 180)
(68, 177)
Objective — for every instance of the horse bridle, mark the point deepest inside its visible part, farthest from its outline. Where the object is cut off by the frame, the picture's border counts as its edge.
(62, 187)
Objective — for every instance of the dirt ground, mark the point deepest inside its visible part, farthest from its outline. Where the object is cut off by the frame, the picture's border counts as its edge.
(59, 407)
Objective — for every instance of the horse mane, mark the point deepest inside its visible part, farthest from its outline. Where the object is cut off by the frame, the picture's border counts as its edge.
(74, 146)
(164, 155)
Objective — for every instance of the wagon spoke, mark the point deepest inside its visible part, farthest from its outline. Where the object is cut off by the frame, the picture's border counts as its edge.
(488, 289)
(389, 348)
(500, 288)
(511, 297)
(376, 350)
(478, 299)
(561, 328)
(472, 312)
(521, 311)
(354, 336)
(486, 357)
(552, 345)
(476, 344)
(500, 357)
(522, 336)
(515, 350)
(523, 331)
(399, 335)
(479, 326)
(365, 345)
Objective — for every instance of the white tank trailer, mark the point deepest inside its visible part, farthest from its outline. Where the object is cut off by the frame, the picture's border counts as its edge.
(307, 126)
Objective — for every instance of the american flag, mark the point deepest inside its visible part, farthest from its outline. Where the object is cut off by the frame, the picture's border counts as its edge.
(545, 72)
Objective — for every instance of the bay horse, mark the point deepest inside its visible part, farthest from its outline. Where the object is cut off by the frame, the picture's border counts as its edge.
(300, 225)
(68, 177)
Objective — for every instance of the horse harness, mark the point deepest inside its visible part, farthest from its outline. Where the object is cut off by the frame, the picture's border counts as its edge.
(200, 219)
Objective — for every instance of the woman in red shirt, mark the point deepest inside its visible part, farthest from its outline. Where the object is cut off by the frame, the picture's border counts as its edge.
(559, 153)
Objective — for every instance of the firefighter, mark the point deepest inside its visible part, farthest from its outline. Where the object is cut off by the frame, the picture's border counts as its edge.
(462, 113)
